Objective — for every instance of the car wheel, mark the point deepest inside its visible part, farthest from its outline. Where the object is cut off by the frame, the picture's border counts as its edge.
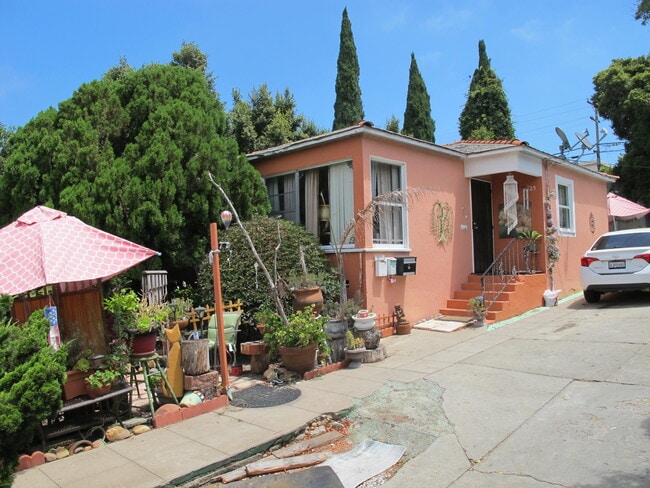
(591, 296)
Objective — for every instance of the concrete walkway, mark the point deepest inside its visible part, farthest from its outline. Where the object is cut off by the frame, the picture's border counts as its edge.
(558, 397)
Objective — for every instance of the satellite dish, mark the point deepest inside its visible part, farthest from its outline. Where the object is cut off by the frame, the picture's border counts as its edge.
(583, 139)
(565, 141)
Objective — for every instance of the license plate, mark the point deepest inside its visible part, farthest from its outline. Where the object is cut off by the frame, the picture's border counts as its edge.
(616, 264)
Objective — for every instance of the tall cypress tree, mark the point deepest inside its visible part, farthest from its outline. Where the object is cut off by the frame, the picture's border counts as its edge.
(486, 114)
(348, 109)
(417, 116)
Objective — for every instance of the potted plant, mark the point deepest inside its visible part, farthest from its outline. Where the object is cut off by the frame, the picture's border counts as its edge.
(355, 348)
(306, 290)
(297, 342)
(530, 248)
(100, 382)
(181, 309)
(403, 326)
(78, 369)
(135, 323)
(478, 309)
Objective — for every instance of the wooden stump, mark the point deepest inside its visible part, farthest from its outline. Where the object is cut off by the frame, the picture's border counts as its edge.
(195, 355)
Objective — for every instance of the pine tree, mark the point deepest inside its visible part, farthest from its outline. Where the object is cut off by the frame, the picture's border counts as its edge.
(417, 116)
(486, 114)
(348, 108)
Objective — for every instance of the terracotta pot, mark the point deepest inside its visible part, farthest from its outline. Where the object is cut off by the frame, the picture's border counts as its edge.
(298, 359)
(304, 297)
(75, 384)
(403, 328)
(144, 344)
(97, 392)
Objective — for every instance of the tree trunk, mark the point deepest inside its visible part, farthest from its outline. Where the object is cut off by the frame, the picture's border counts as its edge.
(195, 356)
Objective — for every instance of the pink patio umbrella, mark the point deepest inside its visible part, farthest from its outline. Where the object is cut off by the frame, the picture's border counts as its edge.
(46, 247)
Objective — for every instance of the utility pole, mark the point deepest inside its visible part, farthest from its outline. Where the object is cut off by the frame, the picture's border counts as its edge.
(598, 138)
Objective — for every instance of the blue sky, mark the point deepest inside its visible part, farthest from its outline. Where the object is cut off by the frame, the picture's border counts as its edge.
(546, 52)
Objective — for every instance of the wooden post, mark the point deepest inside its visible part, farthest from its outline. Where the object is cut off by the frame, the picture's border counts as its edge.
(218, 305)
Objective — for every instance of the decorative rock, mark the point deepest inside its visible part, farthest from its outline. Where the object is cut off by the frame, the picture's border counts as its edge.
(61, 452)
(98, 443)
(370, 337)
(117, 433)
(49, 457)
(140, 429)
(167, 408)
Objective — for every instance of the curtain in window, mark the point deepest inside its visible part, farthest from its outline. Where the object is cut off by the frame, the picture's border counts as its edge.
(341, 200)
(387, 228)
(311, 201)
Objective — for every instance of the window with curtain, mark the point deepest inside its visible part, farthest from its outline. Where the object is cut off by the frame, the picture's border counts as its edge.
(283, 196)
(321, 199)
(565, 206)
(388, 222)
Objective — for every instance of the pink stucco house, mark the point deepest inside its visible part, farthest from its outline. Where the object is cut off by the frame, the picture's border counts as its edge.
(428, 250)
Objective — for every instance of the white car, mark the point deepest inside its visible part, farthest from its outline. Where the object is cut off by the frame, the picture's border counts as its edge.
(617, 261)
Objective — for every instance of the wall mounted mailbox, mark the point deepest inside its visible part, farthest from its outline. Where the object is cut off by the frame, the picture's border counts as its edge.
(406, 266)
(385, 266)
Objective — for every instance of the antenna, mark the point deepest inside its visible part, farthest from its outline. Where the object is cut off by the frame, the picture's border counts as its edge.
(583, 139)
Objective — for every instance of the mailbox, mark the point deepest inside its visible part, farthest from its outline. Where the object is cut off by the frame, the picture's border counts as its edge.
(406, 266)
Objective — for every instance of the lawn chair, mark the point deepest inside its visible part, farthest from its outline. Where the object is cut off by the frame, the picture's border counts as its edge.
(232, 321)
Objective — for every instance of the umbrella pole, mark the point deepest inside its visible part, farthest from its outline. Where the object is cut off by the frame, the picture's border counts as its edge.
(218, 307)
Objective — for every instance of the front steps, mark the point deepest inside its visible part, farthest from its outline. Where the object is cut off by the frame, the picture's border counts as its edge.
(525, 292)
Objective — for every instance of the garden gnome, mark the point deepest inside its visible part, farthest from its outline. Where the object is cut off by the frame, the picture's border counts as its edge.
(174, 368)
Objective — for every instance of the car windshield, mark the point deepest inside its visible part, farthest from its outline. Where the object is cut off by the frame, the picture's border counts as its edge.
(618, 241)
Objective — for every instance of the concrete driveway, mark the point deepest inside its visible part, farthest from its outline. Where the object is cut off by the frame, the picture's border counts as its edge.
(558, 398)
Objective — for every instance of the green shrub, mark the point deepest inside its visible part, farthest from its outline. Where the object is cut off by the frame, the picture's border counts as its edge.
(31, 379)
(239, 279)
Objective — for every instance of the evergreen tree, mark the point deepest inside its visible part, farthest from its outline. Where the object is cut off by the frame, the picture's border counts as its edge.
(417, 116)
(622, 95)
(486, 114)
(131, 156)
(392, 124)
(264, 121)
(348, 108)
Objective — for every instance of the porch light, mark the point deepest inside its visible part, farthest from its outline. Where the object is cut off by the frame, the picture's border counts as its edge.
(510, 198)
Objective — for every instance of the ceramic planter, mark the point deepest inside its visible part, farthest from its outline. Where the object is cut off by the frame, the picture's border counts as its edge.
(304, 297)
(75, 384)
(144, 344)
(298, 359)
(355, 356)
(366, 322)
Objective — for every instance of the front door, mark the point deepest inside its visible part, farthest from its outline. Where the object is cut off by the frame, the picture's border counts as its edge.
(482, 232)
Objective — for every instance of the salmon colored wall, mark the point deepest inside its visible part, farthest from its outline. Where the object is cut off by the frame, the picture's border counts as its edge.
(423, 294)
(441, 267)
(440, 178)
(537, 214)
(590, 199)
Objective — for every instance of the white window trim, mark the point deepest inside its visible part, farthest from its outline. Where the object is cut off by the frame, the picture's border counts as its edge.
(566, 231)
(405, 214)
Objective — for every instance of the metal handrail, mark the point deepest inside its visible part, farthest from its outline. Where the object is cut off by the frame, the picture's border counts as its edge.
(504, 269)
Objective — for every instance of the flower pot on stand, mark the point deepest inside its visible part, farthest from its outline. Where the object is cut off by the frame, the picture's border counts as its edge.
(355, 357)
(364, 320)
(144, 344)
(75, 384)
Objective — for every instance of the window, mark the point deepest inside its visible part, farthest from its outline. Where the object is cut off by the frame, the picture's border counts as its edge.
(565, 206)
(321, 199)
(388, 224)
